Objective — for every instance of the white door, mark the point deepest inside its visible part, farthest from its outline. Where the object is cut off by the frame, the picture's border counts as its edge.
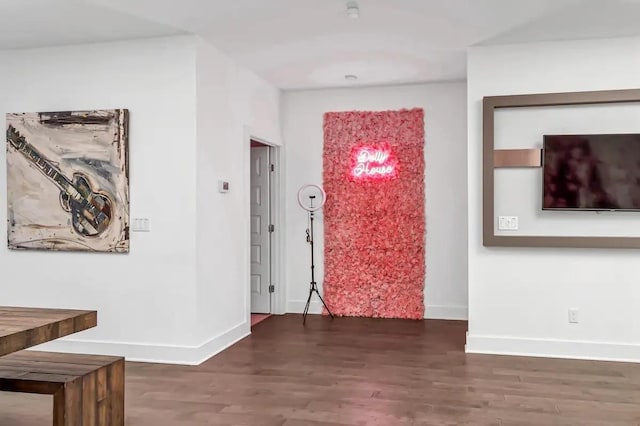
(260, 236)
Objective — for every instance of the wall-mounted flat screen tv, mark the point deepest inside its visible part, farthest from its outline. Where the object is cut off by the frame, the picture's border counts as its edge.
(591, 172)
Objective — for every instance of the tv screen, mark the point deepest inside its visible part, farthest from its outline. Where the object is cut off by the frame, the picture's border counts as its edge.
(591, 172)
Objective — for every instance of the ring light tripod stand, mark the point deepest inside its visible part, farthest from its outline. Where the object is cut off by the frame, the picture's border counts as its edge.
(310, 208)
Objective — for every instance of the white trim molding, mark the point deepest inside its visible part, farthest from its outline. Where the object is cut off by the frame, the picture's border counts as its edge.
(297, 306)
(552, 348)
(278, 297)
(155, 353)
(447, 312)
(444, 312)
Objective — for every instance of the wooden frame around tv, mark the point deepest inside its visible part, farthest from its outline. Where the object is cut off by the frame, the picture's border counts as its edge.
(489, 105)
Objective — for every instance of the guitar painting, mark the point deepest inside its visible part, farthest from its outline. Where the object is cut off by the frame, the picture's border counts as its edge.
(67, 179)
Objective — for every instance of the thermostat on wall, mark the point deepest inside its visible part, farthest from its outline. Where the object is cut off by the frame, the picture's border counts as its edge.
(223, 186)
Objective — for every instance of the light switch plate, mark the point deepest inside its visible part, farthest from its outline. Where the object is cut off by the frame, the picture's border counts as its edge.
(508, 223)
(140, 224)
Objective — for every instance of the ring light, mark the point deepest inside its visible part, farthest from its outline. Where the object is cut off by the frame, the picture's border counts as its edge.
(311, 192)
(309, 207)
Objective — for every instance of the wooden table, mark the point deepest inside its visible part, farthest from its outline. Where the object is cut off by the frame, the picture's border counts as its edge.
(21, 328)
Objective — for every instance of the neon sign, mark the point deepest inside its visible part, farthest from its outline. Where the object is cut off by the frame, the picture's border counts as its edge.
(373, 163)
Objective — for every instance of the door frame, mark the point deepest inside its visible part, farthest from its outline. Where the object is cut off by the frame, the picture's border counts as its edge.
(276, 188)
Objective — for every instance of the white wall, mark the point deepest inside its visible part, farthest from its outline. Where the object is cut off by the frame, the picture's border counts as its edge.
(233, 104)
(181, 294)
(445, 181)
(519, 297)
(145, 298)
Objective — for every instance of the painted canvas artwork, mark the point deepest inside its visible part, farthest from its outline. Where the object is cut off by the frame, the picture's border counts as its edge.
(68, 181)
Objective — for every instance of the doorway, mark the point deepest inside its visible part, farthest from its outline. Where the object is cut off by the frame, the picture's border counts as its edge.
(261, 213)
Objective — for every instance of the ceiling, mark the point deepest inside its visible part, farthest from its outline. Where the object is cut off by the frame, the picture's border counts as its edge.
(298, 44)
(38, 23)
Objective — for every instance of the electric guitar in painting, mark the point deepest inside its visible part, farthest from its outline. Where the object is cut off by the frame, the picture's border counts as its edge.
(90, 210)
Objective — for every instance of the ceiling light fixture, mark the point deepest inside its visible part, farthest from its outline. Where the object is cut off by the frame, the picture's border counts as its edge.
(351, 77)
(353, 11)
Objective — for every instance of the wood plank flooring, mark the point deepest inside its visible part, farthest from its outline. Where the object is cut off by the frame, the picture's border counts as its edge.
(353, 371)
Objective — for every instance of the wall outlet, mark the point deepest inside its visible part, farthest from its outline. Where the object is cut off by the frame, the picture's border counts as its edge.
(573, 315)
(508, 223)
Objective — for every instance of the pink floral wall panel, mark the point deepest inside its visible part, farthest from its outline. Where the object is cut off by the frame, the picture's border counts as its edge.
(374, 218)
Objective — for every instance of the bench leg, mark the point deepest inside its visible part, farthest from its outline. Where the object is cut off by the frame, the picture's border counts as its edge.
(67, 404)
(58, 407)
(116, 393)
(96, 399)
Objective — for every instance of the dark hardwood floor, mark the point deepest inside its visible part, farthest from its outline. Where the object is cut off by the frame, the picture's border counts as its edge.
(353, 371)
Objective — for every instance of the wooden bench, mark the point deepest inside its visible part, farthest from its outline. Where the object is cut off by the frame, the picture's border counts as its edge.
(88, 390)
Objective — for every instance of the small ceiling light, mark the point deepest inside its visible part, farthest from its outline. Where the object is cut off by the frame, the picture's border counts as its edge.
(351, 77)
(353, 11)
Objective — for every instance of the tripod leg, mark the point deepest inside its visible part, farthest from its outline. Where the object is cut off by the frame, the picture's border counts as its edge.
(306, 307)
(325, 305)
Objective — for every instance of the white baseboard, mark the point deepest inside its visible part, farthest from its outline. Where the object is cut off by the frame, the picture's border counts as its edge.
(297, 306)
(432, 312)
(447, 312)
(156, 353)
(551, 348)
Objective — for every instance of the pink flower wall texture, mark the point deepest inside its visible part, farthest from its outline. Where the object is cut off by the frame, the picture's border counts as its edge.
(373, 173)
